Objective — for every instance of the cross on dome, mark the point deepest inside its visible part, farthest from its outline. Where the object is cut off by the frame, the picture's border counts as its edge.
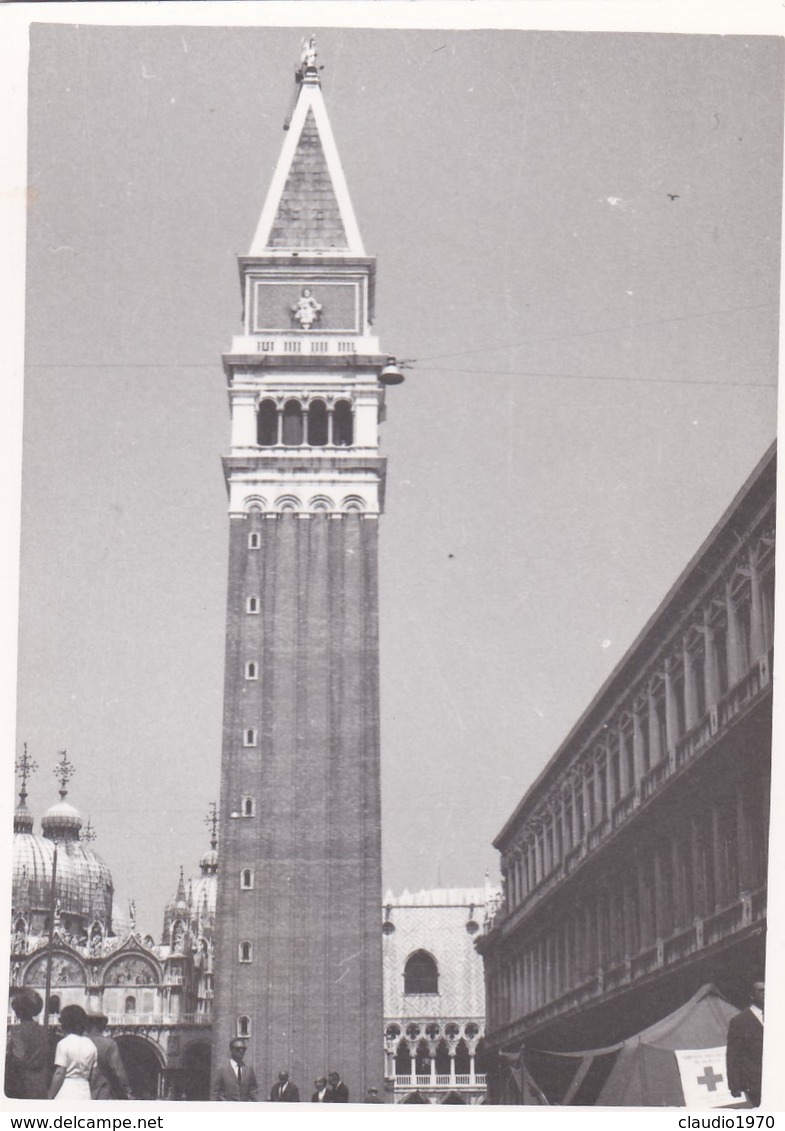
(64, 771)
(212, 821)
(25, 766)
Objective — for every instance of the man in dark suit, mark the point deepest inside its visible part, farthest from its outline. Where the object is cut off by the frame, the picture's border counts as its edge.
(234, 1080)
(320, 1095)
(744, 1054)
(338, 1092)
(284, 1092)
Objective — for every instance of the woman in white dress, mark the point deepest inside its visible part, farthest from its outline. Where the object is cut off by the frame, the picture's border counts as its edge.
(74, 1059)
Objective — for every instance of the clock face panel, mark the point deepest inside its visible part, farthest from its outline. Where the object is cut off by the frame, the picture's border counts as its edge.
(324, 306)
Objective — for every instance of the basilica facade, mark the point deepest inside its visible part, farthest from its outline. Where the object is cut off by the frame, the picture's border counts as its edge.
(69, 943)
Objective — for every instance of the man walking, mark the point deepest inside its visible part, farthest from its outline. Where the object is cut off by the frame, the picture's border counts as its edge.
(338, 1092)
(744, 1054)
(235, 1081)
(284, 1092)
(108, 1080)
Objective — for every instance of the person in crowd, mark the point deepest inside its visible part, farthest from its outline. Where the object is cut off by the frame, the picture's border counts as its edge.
(235, 1081)
(744, 1054)
(284, 1092)
(338, 1093)
(322, 1088)
(372, 1096)
(75, 1058)
(27, 1064)
(109, 1081)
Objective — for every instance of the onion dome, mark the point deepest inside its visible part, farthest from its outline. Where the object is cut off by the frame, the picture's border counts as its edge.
(83, 886)
(61, 822)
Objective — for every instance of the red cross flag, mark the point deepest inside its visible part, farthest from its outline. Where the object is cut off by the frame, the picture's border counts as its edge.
(704, 1078)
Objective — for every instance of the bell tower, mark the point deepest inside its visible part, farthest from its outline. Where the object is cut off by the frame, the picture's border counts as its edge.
(299, 890)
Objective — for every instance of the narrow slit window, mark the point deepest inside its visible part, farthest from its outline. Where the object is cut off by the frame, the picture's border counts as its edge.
(251, 670)
(249, 807)
(246, 879)
(246, 952)
(249, 737)
(243, 1026)
(254, 541)
(252, 605)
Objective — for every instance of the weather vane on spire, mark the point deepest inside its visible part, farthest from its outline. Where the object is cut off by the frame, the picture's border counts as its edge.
(212, 821)
(64, 771)
(25, 766)
(88, 833)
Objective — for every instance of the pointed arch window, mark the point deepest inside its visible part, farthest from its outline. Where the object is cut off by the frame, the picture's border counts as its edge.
(421, 974)
(292, 424)
(267, 424)
(343, 424)
(246, 879)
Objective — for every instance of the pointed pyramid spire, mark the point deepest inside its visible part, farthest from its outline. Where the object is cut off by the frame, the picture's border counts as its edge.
(308, 206)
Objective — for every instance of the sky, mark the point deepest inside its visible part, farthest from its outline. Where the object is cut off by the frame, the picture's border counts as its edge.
(578, 239)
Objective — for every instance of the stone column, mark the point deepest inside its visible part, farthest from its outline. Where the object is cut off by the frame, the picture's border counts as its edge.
(538, 862)
(757, 632)
(588, 816)
(655, 745)
(576, 801)
(718, 852)
(637, 747)
(671, 712)
(710, 667)
(680, 916)
(566, 830)
(661, 910)
(690, 691)
(736, 660)
(624, 780)
(609, 783)
(599, 791)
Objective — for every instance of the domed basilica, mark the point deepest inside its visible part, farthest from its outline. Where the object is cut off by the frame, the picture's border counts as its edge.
(69, 944)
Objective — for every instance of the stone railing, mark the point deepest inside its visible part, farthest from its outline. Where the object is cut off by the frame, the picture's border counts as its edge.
(442, 1081)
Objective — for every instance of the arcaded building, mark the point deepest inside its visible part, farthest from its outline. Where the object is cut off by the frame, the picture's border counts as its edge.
(635, 865)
